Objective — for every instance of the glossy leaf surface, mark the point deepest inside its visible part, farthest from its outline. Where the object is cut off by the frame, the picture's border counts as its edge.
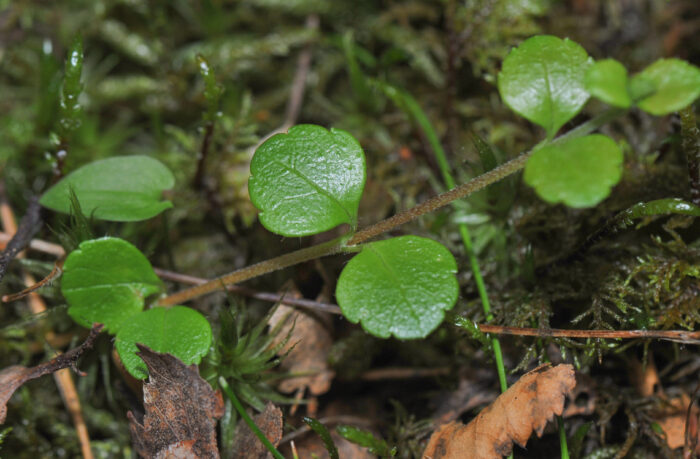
(400, 286)
(123, 188)
(308, 180)
(107, 280)
(542, 80)
(677, 85)
(607, 80)
(180, 331)
(578, 173)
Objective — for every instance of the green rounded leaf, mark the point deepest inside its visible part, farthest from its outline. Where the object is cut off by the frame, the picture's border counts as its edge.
(579, 172)
(107, 280)
(607, 80)
(180, 331)
(123, 188)
(400, 286)
(677, 85)
(542, 80)
(308, 180)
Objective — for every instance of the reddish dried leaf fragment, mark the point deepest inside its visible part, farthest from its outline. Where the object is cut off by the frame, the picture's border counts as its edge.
(308, 350)
(181, 409)
(179, 450)
(528, 405)
(672, 419)
(11, 379)
(247, 445)
(673, 414)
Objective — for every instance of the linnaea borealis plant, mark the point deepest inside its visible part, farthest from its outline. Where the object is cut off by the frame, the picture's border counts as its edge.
(310, 180)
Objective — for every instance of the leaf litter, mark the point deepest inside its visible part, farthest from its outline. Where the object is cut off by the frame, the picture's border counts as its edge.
(525, 407)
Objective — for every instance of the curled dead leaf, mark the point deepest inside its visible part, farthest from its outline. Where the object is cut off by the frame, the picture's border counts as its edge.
(526, 407)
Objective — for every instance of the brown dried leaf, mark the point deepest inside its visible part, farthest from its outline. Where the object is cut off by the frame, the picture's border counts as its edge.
(12, 378)
(180, 410)
(672, 421)
(526, 406)
(179, 450)
(645, 377)
(310, 344)
(672, 416)
(247, 445)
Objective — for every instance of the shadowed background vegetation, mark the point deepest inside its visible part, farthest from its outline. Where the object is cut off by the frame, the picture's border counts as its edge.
(143, 94)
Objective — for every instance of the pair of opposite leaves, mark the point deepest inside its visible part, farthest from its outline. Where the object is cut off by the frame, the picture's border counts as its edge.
(311, 181)
(548, 81)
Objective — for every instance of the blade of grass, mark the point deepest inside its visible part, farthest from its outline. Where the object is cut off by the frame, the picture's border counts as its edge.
(322, 432)
(562, 438)
(411, 107)
(258, 433)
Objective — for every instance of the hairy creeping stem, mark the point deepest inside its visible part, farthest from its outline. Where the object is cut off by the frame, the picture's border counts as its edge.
(341, 244)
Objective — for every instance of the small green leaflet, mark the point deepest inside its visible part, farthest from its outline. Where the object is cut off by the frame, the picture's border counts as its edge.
(542, 80)
(367, 439)
(325, 435)
(179, 331)
(579, 172)
(107, 281)
(400, 286)
(677, 85)
(607, 80)
(123, 189)
(308, 180)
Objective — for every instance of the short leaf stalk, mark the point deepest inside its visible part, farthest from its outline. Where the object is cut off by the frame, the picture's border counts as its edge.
(342, 244)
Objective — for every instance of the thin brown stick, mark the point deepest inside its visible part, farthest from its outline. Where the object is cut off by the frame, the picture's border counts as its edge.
(681, 336)
(264, 296)
(30, 224)
(296, 94)
(298, 88)
(36, 244)
(379, 374)
(55, 272)
(289, 259)
(63, 378)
